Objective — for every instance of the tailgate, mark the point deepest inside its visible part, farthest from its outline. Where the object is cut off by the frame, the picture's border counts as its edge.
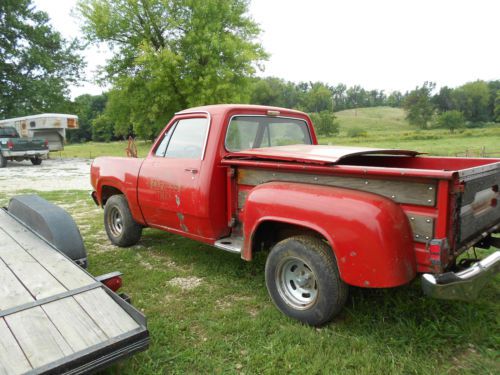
(54, 316)
(21, 144)
(478, 207)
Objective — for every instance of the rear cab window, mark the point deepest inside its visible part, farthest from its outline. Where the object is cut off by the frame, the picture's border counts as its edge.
(246, 132)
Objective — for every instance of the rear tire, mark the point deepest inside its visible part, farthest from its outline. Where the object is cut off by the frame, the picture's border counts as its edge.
(121, 228)
(303, 280)
(36, 160)
(3, 161)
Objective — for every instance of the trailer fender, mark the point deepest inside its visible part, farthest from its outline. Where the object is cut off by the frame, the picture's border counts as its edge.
(52, 223)
(370, 235)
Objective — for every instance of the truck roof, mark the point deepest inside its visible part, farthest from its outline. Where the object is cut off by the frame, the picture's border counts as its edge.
(224, 108)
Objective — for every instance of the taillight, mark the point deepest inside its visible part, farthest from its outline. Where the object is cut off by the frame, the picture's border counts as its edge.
(46, 143)
(114, 283)
(10, 144)
(112, 280)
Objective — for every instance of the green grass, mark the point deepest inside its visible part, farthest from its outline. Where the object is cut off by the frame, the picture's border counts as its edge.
(227, 323)
(91, 150)
(386, 127)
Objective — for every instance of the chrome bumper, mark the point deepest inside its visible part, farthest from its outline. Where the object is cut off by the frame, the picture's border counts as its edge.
(464, 285)
(25, 154)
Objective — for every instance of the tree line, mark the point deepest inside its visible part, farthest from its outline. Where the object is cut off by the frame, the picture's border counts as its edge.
(175, 54)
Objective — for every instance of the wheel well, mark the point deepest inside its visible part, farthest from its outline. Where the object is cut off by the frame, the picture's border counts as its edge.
(107, 192)
(271, 232)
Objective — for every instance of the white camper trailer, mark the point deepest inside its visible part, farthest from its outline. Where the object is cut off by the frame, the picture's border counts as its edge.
(50, 126)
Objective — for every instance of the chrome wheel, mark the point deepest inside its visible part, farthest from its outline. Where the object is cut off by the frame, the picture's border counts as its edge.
(115, 222)
(296, 283)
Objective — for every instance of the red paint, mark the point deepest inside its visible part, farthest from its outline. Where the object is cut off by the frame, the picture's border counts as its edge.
(369, 234)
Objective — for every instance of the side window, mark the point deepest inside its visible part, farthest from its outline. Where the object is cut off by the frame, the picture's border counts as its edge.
(188, 139)
(160, 151)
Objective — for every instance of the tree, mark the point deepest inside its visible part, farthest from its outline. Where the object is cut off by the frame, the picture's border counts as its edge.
(497, 107)
(473, 99)
(36, 64)
(395, 99)
(87, 108)
(451, 120)
(172, 54)
(444, 100)
(325, 123)
(418, 106)
(318, 98)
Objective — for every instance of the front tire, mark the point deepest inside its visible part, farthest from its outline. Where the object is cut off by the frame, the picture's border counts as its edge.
(36, 160)
(121, 228)
(303, 280)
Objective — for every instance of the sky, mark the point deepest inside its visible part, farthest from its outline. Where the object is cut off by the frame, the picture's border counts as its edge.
(382, 44)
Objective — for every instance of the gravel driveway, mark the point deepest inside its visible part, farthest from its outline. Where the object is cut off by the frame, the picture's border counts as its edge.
(53, 174)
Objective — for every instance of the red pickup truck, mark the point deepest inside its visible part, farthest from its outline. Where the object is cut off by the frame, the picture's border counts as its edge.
(250, 178)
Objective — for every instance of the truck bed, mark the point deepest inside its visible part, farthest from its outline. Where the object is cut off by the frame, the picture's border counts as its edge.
(54, 316)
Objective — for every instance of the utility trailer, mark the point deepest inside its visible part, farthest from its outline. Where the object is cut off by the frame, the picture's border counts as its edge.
(55, 318)
(49, 126)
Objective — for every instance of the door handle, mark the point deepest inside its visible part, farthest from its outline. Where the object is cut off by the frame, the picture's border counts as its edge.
(192, 170)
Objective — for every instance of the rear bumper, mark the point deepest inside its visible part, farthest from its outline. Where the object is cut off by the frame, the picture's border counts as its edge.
(464, 285)
(25, 154)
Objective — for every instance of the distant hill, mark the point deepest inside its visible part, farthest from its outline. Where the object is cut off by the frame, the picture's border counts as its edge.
(373, 119)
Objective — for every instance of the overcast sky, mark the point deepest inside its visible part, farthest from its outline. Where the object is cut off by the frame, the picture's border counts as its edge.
(383, 44)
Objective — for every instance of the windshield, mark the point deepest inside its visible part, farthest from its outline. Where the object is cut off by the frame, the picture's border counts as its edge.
(8, 132)
(246, 132)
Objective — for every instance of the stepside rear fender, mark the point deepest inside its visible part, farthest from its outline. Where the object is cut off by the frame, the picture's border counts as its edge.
(369, 234)
(120, 174)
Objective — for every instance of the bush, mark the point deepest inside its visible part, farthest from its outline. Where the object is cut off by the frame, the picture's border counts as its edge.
(451, 120)
(325, 123)
(356, 132)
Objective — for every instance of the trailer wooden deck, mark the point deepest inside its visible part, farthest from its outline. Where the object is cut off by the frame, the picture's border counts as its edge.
(54, 316)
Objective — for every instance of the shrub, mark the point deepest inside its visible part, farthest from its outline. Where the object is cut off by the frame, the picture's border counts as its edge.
(356, 132)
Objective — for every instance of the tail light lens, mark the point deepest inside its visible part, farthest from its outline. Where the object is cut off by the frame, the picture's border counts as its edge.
(46, 143)
(112, 280)
(10, 144)
(114, 283)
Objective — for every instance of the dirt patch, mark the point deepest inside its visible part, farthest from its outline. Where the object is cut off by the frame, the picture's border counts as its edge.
(52, 174)
(186, 283)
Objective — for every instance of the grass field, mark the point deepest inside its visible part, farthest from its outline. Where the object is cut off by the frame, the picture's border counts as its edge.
(208, 312)
(387, 127)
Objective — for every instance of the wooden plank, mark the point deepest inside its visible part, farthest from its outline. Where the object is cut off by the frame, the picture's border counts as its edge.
(66, 272)
(75, 325)
(409, 192)
(12, 358)
(39, 339)
(35, 278)
(12, 292)
(108, 315)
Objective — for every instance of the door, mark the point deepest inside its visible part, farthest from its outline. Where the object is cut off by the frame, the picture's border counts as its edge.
(169, 180)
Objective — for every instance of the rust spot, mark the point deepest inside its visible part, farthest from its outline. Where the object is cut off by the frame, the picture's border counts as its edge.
(177, 200)
(353, 254)
(180, 216)
(366, 283)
